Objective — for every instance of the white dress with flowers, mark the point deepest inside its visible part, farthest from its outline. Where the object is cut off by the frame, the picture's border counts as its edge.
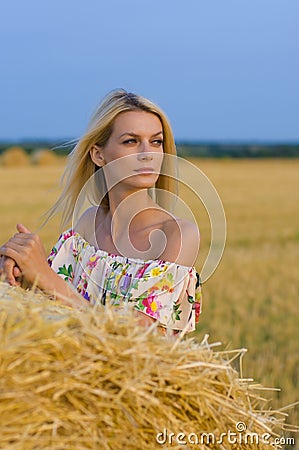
(165, 291)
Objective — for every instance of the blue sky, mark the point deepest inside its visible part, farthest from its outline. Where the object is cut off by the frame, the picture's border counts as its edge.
(221, 69)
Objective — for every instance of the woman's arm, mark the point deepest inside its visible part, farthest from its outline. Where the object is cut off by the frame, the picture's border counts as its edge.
(27, 251)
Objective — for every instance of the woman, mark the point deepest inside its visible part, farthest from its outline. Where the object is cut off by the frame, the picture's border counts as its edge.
(127, 247)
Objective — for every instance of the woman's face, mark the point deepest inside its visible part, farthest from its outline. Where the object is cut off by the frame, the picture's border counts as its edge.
(134, 152)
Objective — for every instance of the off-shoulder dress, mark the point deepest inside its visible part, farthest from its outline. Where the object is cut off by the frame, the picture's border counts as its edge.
(165, 291)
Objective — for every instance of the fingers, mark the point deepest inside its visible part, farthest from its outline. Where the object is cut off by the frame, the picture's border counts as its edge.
(22, 229)
(10, 252)
(17, 239)
(27, 250)
(24, 239)
(20, 246)
(16, 272)
(10, 271)
(17, 250)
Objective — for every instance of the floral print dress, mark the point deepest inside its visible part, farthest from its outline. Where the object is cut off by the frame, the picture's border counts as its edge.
(165, 291)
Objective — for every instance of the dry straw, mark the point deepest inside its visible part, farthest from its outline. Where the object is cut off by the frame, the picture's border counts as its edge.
(95, 379)
(15, 157)
(44, 157)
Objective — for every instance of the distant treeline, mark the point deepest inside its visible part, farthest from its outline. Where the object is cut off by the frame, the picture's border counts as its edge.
(200, 149)
(238, 150)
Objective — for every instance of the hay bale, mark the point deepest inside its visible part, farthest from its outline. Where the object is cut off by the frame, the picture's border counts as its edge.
(97, 380)
(15, 157)
(44, 157)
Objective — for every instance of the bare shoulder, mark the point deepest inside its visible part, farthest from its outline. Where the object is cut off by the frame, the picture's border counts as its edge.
(86, 221)
(187, 228)
(183, 239)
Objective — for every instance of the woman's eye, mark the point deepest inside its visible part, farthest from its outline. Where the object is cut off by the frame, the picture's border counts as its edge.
(130, 141)
(158, 142)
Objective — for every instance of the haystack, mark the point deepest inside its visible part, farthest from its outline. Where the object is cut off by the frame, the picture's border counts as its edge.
(44, 157)
(15, 157)
(95, 379)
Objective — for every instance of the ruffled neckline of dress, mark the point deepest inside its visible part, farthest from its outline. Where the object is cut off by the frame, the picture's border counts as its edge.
(97, 251)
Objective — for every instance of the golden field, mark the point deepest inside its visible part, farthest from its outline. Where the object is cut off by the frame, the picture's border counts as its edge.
(252, 299)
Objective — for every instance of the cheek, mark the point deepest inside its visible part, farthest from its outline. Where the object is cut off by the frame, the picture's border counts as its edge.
(118, 168)
(111, 155)
(158, 160)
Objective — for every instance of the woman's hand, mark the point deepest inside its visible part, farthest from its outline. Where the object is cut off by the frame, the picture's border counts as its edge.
(25, 255)
(26, 251)
(10, 271)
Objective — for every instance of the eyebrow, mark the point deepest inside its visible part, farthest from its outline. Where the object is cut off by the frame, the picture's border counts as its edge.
(136, 135)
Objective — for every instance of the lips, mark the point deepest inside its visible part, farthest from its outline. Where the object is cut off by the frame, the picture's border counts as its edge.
(145, 170)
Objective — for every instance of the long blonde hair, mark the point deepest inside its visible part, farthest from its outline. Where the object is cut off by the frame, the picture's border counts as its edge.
(80, 167)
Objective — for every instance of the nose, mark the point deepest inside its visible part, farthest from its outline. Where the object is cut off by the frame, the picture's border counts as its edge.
(145, 156)
(145, 152)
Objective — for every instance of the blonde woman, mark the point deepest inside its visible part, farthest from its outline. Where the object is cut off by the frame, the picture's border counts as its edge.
(127, 247)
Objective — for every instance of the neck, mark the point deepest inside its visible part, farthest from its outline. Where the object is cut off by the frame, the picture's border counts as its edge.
(132, 198)
(129, 208)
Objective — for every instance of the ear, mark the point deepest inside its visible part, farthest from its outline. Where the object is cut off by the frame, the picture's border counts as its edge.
(96, 154)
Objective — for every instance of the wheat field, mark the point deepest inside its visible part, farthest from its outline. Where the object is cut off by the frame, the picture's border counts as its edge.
(252, 299)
